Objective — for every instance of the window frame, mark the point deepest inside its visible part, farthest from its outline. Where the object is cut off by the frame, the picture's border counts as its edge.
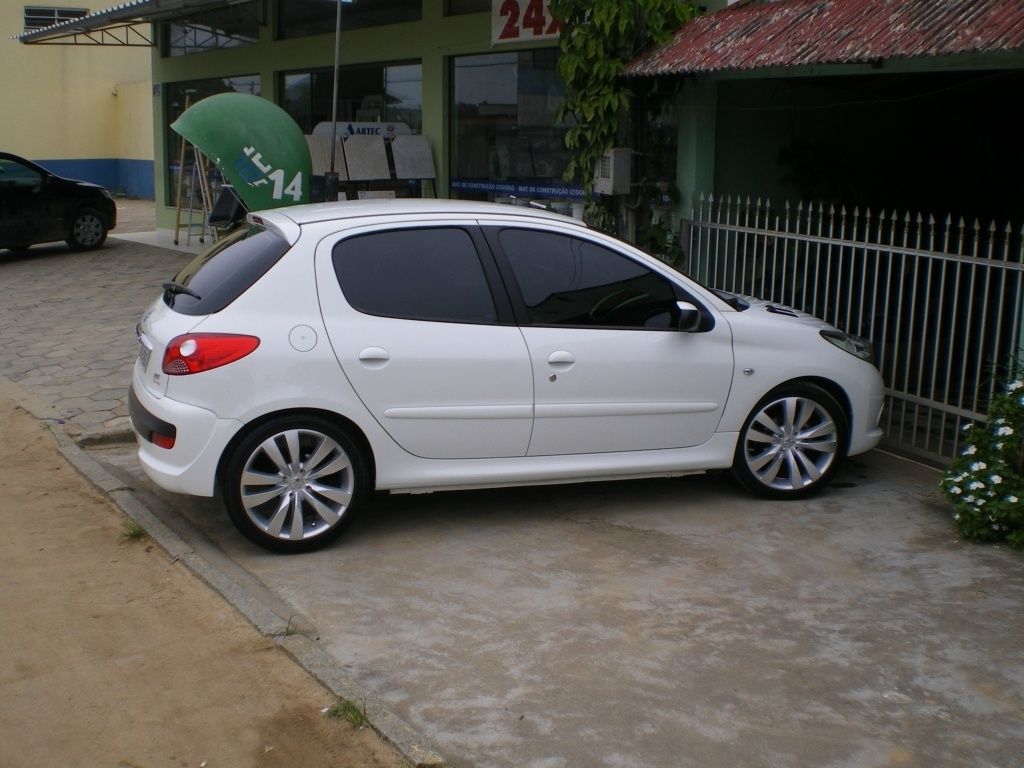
(496, 286)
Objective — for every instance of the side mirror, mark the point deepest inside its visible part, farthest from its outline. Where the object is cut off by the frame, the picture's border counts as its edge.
(689, 317)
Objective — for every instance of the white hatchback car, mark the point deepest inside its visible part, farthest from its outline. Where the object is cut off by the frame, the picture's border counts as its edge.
(328, 350)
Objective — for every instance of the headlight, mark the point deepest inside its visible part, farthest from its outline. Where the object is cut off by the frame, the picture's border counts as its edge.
(857, 346)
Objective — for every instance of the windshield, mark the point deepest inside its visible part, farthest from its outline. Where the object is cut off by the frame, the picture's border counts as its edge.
(224, 271)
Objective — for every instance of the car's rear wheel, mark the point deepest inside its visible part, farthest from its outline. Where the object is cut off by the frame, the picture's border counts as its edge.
(791, 443)
(294, 483)
(88, 230)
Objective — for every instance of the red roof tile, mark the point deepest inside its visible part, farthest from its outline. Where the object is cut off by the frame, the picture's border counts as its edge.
(786, 33)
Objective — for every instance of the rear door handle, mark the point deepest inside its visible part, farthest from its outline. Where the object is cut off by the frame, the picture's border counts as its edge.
(374, 357)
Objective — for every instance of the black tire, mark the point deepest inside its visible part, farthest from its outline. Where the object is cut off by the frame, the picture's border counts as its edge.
(792, 443)
(282, 503)
(88, 230)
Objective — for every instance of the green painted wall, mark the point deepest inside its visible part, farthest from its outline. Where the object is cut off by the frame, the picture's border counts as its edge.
(432, 41)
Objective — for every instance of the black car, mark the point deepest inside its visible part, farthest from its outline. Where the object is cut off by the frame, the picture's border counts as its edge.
(38, 207)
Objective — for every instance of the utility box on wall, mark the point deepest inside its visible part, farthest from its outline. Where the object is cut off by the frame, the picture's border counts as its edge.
(612, 174)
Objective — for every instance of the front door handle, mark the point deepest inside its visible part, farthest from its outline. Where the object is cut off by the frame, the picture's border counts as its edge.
(561, 360)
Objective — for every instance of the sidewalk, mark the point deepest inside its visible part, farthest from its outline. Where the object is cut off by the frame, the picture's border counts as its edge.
(67, 325)
(115, 655)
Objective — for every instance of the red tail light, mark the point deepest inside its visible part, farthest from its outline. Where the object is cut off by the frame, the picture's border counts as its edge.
(198, 352)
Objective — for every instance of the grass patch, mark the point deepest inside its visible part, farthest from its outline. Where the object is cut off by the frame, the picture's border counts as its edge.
(132, 531)
(289, 628)
(350, 711)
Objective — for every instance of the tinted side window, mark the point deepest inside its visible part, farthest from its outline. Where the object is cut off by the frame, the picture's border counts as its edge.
(417, 274)
(14, 174)
(225, 271)
(568, 281)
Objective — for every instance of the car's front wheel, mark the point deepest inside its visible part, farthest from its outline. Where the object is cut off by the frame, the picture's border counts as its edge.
(791, 443)
(88, 230)
(294, 483)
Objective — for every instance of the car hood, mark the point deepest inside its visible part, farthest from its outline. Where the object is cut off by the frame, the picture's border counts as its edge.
(781, 313)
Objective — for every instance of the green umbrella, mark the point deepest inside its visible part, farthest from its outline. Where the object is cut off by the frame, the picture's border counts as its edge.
(255, 144)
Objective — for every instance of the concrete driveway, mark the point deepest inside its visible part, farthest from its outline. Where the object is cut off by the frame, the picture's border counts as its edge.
(652, 623)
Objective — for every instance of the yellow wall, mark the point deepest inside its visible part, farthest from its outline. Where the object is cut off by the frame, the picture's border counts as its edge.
(72, 102)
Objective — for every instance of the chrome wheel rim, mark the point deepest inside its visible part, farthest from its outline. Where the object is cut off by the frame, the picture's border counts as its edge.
(88, 229)
(297, 485)
(791, 443)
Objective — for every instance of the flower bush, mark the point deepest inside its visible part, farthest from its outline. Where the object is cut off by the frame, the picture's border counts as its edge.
(986, 482)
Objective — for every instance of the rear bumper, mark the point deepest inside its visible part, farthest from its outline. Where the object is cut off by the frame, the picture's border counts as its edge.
(190, 466)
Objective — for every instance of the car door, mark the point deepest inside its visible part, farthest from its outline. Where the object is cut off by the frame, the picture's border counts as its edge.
(20, 206)
(425, 334)
(612, 370)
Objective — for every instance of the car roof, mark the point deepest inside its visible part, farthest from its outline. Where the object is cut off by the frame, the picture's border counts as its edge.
(350, 209)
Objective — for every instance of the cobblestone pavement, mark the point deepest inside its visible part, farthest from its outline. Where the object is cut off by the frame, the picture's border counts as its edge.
(67, 325)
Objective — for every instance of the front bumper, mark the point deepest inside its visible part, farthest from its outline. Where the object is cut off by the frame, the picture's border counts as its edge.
(190, 466)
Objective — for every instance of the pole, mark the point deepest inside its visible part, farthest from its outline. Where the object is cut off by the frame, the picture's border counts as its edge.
(331, 178)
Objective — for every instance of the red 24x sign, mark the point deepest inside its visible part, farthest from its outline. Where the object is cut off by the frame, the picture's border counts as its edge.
(517, 21)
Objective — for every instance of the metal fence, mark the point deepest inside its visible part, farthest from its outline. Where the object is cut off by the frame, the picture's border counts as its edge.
(941, 300)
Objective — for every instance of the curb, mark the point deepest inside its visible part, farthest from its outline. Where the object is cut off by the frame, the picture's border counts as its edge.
(415, 748)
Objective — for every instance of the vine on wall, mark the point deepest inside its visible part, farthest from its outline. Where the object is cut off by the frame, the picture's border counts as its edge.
(599, 37)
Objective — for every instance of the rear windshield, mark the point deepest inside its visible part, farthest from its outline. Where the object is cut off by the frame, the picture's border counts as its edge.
(225, 271)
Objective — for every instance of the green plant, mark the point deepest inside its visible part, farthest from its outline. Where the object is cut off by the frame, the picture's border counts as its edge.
(289, 628)
(350, 711)
(986, 482)
(132, 531)
(598, 38)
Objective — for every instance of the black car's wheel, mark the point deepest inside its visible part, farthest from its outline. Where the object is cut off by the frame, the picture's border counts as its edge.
(88, 230)
(791, 443)
(294, 483)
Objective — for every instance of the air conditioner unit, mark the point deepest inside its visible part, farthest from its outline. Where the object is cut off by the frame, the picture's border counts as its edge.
(613, 172)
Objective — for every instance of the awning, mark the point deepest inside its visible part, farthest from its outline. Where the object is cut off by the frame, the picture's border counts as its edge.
(790, 33)
(125, 24)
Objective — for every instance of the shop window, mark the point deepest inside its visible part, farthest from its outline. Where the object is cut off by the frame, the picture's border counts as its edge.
(177, 96)
(380, 93)
(301, 18)
(507, 139)
(228, 27)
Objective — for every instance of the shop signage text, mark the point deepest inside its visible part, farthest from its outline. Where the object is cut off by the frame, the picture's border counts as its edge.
(519, 21)
(519, 189)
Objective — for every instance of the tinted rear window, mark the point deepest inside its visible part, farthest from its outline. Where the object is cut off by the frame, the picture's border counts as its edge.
(225, 271)
(415, 274)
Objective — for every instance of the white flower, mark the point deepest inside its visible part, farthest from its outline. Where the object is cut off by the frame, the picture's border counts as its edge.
(956, 516)
(966, 427)
(999, 446)
(976, 485)
(970, 450)
(1004, 431)
(1012, 499)
(1000, 420)
(978, 466)
(969, 499)
(996, 479)
(980, 502)
(995, 527)
(1014, 386)
(955, 490)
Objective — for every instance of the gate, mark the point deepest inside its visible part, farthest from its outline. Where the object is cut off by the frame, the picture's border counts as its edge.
(943, 302)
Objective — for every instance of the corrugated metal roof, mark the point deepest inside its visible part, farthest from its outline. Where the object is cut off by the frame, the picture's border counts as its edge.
(787, 33)
(132, 12)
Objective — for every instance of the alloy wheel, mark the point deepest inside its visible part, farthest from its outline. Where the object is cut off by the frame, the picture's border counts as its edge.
(791, 443)
(297, 484)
